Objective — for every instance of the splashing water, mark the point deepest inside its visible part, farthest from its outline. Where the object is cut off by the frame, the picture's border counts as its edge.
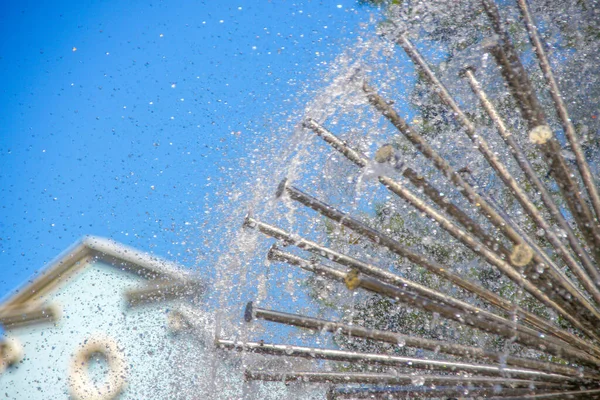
(506, 274)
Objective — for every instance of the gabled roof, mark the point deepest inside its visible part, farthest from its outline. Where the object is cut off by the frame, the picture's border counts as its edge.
(25, 304)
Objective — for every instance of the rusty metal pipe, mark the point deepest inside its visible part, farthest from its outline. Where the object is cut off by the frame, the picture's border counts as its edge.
(285, 350)
(590, 277)
(384, 240)
(484, 322)
(251, 312)
(430, 294)
(392, 379)
(588, 314)
(520, 86)
(561, 109)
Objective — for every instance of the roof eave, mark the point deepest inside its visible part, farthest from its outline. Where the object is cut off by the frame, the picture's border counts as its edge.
(65, 264)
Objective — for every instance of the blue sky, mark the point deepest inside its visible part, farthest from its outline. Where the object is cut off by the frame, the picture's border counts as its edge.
(122, 119)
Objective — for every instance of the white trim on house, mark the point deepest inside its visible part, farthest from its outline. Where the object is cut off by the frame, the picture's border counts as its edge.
(25, 304)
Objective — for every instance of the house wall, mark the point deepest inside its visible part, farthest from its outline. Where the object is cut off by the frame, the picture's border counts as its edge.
(161, 363)
(93, 303)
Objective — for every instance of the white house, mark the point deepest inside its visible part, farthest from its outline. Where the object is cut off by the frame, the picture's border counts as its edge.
(106, 321)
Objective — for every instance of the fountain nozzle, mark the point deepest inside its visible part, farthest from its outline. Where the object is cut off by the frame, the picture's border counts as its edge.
(308, 123)
(281, 188)
(249, 312)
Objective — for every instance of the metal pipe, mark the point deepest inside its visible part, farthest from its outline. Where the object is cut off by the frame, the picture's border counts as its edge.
(544, 342)
(484, 322)
(437, 346)
(412, 392)
(520, 86)
(277, 255)
(317, 268)
(534, 214)
(561, 109)
(590, 268)
(513, 71)
(336, 143)
(384, 240)
(418, 181)
(540, 257)
(391, 379)
(503, 173)
(384, 359)
(573, 395)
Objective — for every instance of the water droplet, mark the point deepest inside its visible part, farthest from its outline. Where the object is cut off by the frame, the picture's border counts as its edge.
(418, 380)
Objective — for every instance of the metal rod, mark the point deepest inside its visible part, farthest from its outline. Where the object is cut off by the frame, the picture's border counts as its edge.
(545, 343)
(540, 257)
(590, 268)
(391, 379)
(320, 269)
(529, 207)
(574, 395)
(520, 86)
(412, 392)
(513, 71)
(418, 181)
(336, 143)
(384, 359)
(561, 109)
(502, 171)
(482, 321)
(437, 346)
(277, 255)
(384, 240)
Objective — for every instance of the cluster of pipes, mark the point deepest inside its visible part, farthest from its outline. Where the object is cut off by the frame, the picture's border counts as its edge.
(574, 367)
